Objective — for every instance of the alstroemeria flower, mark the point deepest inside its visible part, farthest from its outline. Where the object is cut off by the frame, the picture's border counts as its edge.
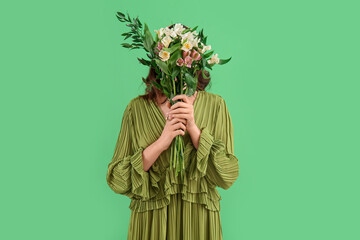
(214, 59)
(180, 62)
(166, 41)
(205, 48)
(178, 28)
(190, 38)
(159, 46)
(164, 55)
(185, 54)
(160, 32)
(195, 55)
(188, 61)
(187, 46)
(170, 32)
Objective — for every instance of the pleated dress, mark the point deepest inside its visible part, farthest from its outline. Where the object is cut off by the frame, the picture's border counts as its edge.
(162, 207)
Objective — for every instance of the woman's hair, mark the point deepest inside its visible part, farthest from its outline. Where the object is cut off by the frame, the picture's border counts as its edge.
(151, 93)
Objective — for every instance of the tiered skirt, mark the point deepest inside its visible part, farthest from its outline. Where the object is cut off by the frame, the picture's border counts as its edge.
(180, 220)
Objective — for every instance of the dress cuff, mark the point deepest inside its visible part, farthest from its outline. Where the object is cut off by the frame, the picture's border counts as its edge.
(144, 183)
(202, 154)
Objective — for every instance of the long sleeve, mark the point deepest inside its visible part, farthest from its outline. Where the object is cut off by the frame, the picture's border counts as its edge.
(126, 174)
(215, 159)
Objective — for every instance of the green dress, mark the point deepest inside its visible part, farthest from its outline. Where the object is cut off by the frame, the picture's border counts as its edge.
(161, 206)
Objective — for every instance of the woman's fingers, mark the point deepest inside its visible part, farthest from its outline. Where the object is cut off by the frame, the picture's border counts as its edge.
(184, 97)
(175, 120)
(177, 123)
(180, 125)
(180, 115)
(179, 104)
(179, 110)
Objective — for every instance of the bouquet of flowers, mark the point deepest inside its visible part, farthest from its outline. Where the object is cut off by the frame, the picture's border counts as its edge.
(176, 54)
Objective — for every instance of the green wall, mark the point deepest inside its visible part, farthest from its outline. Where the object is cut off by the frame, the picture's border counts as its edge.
(292, 88)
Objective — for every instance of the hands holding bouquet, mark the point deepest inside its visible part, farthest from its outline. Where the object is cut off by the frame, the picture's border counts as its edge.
(184, 109)
(177, 54)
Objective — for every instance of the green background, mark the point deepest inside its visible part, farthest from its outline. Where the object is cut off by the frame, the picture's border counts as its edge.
(292, 89)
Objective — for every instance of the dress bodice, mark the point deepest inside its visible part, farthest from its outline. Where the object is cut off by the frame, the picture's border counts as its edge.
(212, 165)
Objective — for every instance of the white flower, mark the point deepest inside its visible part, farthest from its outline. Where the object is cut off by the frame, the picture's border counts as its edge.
(196, 41)
(205, 48)
(166, 41)
(190, 37)
(187, 35)
(160, 32)
(164, 55)
(187, 46)
(178, 28)
(169, 32)
(214, 59)
(173, 33)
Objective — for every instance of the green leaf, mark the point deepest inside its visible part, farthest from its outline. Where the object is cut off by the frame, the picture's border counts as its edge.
(121, 17)
(165, 91)
(121, 14)
(134, 21)
(144, 62)
(186, 30)
(191, 83)
(203, 74)
(172, 48)
(204, 40)
(138, 21)
(126, 45)
(175, 73)
(174, 57)
(162, 65)
(209, 65)
(157, 85)
(223, 61)
(148, 41)
(208, 54)
(194, 28)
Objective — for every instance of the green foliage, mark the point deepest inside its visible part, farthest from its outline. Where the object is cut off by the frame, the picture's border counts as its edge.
(135, 32)
(223, 61)
(190, 83)
(173, 57)
(206, 55)
(162, 65)
(173, 48)
(148, 40)
(144, 61)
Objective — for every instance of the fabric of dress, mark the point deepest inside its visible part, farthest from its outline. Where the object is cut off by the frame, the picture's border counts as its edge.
(162, 207)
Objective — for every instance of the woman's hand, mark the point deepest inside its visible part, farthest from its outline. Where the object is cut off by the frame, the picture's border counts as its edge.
(184, 109)
(173, 127)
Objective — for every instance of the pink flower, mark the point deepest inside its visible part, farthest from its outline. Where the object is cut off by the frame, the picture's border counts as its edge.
(159, 46)
(180, 62)
(195, 55)
(185, 54)
(188, 61)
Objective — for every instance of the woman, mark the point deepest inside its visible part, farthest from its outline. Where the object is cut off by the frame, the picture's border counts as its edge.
(161, 206)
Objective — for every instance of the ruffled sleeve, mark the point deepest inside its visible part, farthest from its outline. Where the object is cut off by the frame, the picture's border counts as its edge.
(215, 159)
(126, 174)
